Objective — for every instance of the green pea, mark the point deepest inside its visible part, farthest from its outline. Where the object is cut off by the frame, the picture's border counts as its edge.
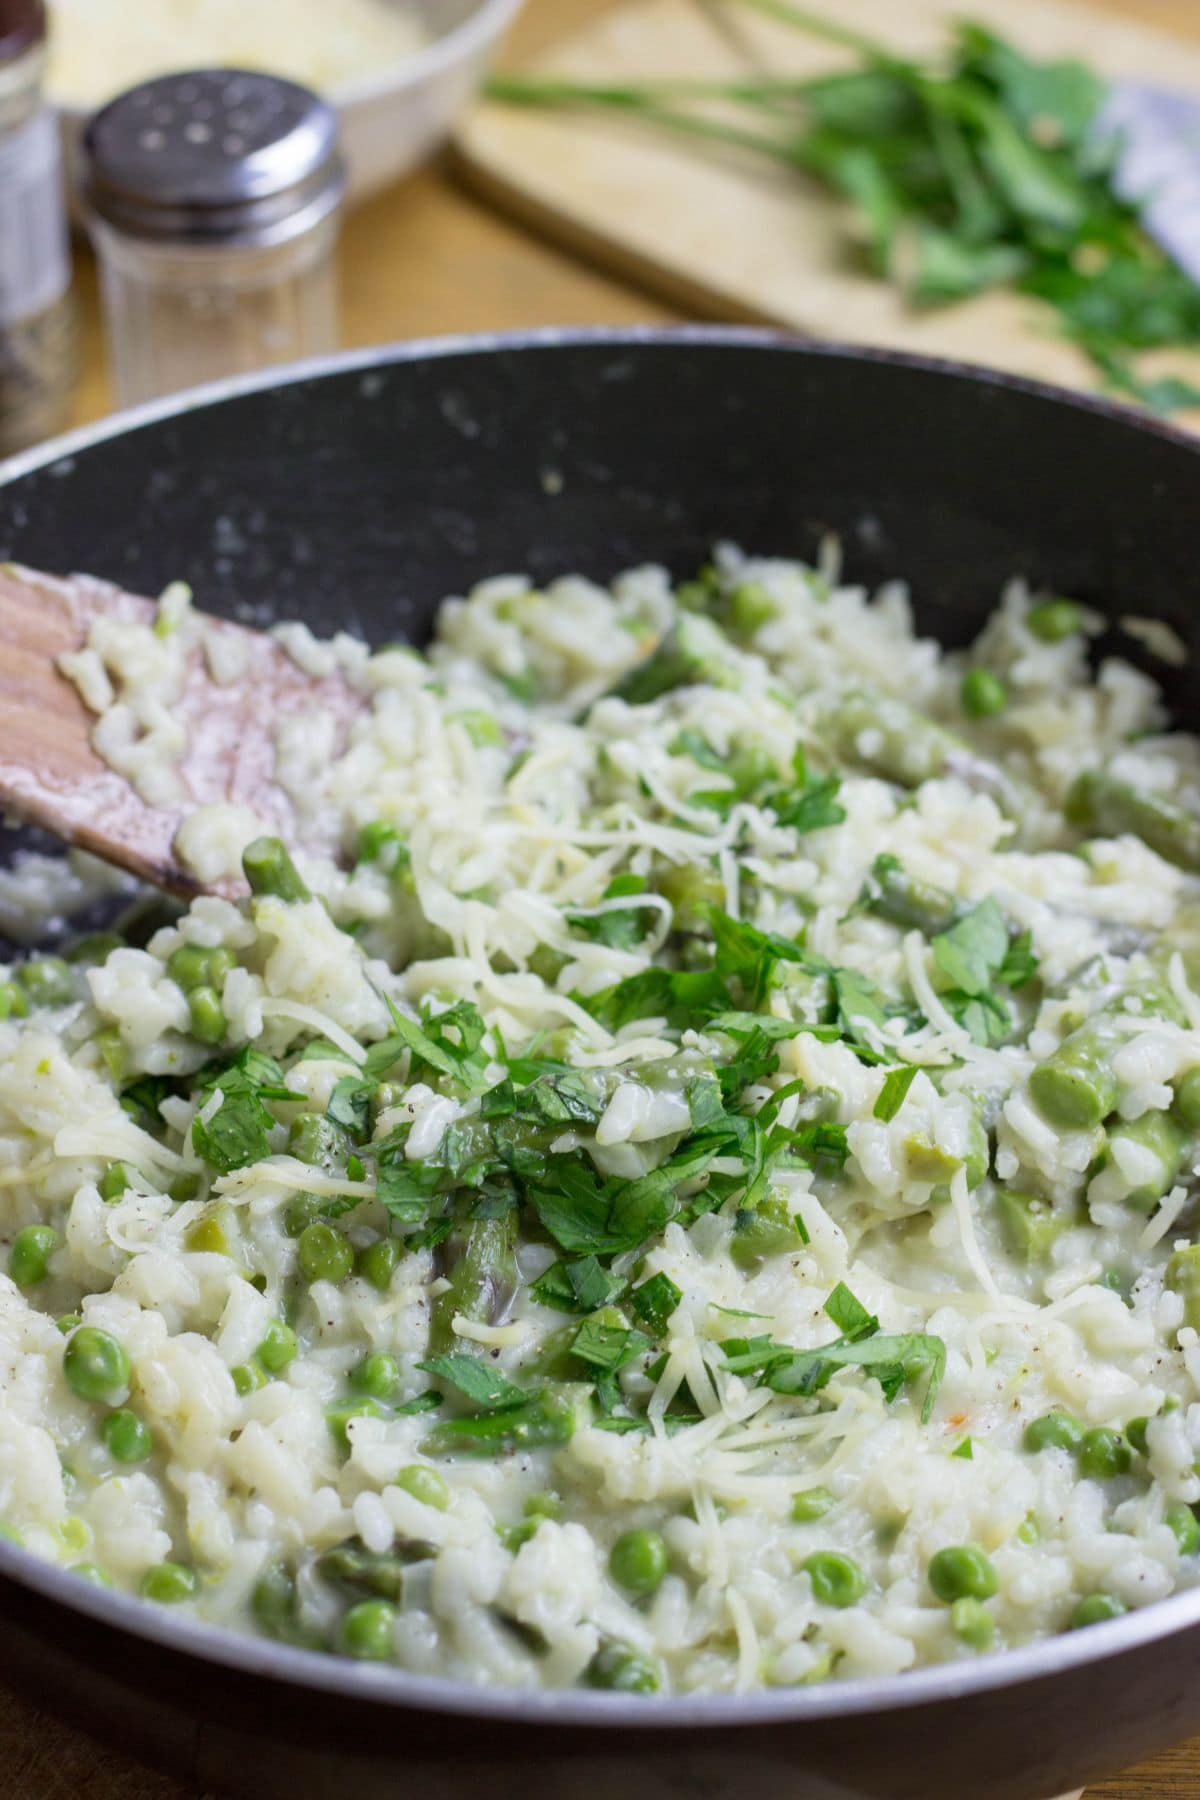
(273, 1602)
(278, 1347)
(248, 1378)
(222, 961)
(188, 966)
(377, 1263)
(1182, 1522)
(325, 1254)
(377, 1375)
(91, 1572)
(425, 1485)
(374, 837)
(367, 1630)
(810, 1504)
(1135, 1431)
(127, 1437)
(836, 1578)
(29, 1258)
(13, 1004)
(638, 1561)
(301, 1211)
(208, 1020)
(623, 1670)
(971, 1621)
(962, 1571)
(48, 981)
(750, 605)
(67, 1322)
(312, 1138)
(1186, 1106)
(95, 1365)
(1053, 1431)
(982, 694)
(169, 1583)
(1103, 1453)
(339, 1417)
(544, 1506)
(1094, 1609)
(116, 1180)
(1054, 620)
(513, 1536)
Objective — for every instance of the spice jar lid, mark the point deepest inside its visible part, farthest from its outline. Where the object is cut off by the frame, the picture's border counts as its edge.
(22, 24)
(216, 155)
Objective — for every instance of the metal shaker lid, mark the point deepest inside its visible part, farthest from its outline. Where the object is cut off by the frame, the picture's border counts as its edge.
(213, 156)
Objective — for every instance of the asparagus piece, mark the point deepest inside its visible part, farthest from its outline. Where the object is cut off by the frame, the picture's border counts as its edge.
(1028, 1224)
(270, 870)
(887, 737)
(1186, 1106)
(1167, 1142)
(317, 1140)
(1105, 807)
(978, 1152)
(479, 1262)
(893, 740)
(913, 905)
(765, 1231)
(548, 1418)
(351, 1565)
(691, 888)
(1183, 1275)
(1075, 1087)
(276, 1608)
(694, 650)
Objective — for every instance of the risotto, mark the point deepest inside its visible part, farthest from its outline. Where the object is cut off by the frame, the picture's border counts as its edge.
(698, 1194)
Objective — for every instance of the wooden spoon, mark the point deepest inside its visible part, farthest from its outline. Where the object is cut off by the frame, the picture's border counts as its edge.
(51, 776)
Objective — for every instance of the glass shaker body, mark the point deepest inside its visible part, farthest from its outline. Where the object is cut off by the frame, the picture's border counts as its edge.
(213, 200)
(178, 315)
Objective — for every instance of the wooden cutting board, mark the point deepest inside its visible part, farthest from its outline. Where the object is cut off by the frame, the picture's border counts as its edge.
(721, 235)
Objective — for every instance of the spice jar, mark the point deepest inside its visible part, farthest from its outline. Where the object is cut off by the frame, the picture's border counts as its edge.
(213, 201)
(37, 335)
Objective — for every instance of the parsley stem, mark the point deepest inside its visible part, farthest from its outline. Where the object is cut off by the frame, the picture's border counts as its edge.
(802, 20)
(642, 103)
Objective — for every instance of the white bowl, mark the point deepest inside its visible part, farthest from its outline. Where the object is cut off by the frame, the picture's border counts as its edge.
(392, 121)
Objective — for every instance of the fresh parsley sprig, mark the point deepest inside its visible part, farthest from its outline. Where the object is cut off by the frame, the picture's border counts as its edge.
(979, 169)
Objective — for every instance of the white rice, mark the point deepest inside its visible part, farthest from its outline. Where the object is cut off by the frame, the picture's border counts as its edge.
(517, 788)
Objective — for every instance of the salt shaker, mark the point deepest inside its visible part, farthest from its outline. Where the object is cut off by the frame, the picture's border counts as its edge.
(213, 202)
(37, 334)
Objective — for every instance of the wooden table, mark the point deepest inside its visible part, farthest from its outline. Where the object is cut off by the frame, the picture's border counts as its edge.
(424, 259)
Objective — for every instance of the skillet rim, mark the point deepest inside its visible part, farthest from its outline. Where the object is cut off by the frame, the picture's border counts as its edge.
(307, 1670)
(566, 337)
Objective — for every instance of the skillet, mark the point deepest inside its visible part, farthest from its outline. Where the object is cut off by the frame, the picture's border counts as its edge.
(354, 493)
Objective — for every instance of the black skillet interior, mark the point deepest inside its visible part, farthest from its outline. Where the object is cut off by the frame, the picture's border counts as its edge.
(356, 498)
